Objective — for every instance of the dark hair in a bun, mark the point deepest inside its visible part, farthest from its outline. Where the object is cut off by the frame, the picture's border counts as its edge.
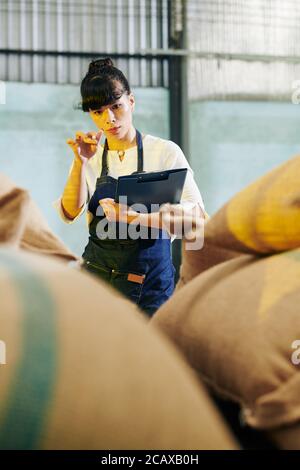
(103, 85)
(96, 66)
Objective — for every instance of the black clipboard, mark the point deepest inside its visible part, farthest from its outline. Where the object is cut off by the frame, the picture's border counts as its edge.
(157, 187)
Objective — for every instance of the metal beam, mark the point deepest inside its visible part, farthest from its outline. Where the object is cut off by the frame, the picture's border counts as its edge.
(178, 93)
(160, 54)
(147, 54)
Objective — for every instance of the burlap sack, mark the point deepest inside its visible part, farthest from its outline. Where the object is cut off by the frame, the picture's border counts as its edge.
(262, 218)
(85, 370)
(22, 224)
(13, 213)
(236, 324)
(195, 262)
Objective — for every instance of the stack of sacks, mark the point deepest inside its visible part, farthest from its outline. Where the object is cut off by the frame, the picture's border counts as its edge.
(238, 322)
(23, 226)
(194, 262)
(262, 219)
(85, 370)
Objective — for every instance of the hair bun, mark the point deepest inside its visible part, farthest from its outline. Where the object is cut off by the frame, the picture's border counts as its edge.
(97, 65)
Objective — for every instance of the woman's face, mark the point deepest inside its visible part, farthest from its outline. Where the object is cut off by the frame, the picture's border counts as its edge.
(115, 119)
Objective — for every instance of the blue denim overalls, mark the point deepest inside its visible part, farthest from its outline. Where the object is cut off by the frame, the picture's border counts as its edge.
(141, 269)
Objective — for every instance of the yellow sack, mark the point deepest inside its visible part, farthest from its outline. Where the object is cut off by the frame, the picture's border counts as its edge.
(264, 217)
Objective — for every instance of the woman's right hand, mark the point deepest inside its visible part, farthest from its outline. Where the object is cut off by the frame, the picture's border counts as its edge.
(85, 145)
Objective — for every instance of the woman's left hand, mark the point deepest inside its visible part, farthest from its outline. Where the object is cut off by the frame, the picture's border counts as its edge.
(179, 221)
(115, 212)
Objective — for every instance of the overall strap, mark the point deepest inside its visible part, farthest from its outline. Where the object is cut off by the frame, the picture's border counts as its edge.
(139, 142)
(140, 159)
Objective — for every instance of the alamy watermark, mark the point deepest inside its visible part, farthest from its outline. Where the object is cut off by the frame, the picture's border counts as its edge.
(175, 220)
(295, 358)
(2, 353)
(2, 92)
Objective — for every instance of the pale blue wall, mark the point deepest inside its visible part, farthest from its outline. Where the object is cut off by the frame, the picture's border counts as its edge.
(232, 143)
(34, 125)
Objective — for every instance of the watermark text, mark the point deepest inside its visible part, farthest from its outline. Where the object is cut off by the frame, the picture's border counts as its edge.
(295, 358)
(2, 353)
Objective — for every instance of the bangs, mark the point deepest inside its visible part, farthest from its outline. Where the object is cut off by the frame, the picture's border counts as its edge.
(97, 92)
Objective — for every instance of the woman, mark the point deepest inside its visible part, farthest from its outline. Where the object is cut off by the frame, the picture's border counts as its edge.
(142, 268)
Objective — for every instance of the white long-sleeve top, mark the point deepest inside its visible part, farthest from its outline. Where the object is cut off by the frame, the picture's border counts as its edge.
(159, 155)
